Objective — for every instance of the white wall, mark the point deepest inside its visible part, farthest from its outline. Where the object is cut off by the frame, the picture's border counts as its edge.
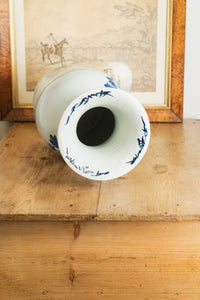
(192, 61)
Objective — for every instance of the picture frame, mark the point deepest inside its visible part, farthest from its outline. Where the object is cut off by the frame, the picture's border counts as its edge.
(169, 111)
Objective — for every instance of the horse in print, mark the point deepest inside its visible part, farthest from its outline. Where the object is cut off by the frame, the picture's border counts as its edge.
(58, 51)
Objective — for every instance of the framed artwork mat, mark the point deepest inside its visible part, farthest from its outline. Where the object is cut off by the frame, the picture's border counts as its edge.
(139, 43)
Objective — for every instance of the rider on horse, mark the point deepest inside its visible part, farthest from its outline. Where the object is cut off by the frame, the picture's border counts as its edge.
(52, 42)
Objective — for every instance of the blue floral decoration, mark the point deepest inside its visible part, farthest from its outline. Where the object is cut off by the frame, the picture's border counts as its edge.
(110, 83)
(53, 142)
(84, 169)
(85, 100)
(141, 143)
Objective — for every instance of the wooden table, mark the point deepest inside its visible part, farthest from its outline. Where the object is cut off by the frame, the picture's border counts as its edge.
(118, 239)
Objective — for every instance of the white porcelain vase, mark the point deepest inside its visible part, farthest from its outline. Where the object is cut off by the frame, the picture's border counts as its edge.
(101, 131)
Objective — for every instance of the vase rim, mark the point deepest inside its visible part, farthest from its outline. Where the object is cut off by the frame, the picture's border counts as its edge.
(121, 102)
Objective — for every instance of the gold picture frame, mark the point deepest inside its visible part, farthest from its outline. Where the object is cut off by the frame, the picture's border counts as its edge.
(169, 110)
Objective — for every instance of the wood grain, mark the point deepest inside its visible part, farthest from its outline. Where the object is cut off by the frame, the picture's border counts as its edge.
(5, 60)
(165, 185)
(20, 114)
(178, 57)
(172, 114)
(121, 260)
(36, 184)
(175, 112)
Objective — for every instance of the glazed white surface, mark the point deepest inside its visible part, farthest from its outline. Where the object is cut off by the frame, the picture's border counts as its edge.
(54, 93)
(62, 98)
(113, 156)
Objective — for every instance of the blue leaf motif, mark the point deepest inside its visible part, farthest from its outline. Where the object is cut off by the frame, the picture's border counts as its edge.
(53, 142)
(85, 100)
(84, 169)
(141, 143)
(110, 83)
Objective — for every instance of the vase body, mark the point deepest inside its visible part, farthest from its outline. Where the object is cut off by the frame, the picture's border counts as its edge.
(101, 131)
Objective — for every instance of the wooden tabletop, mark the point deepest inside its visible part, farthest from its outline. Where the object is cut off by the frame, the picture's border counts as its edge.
(36, 184)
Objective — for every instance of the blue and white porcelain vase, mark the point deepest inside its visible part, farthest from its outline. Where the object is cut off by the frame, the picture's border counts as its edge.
(101, 131)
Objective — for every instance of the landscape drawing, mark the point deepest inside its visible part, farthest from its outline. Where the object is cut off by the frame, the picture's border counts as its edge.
(104, 33)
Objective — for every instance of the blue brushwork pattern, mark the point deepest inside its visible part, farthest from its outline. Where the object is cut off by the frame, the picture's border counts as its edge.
(110, 83)
(53, 142)
(141, 143)
(84, 169)
(85, 100)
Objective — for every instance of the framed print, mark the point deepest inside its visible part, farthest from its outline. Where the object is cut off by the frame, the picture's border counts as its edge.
(138, 43)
